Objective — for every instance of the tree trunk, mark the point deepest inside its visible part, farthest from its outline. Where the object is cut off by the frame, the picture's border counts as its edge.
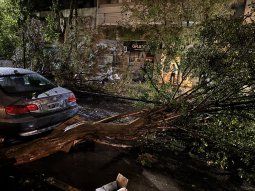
(62, 139)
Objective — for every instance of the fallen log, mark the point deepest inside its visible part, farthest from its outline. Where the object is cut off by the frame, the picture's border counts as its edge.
(61, 140)
(77, 130)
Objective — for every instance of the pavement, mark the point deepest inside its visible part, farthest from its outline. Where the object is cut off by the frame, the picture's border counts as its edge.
(93, 166)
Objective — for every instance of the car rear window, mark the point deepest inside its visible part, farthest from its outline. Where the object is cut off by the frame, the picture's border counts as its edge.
(25, 83)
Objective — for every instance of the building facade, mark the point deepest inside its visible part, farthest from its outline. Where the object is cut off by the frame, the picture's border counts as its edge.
(107, 16)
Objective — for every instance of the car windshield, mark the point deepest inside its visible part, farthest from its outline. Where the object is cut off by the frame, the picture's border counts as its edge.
(25, 83)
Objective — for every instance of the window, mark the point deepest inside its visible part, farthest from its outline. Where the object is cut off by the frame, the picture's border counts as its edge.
(25, 83)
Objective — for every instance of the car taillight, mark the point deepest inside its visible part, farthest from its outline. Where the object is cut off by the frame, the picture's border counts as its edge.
(20, 109)
(71, 99)
(32, 107)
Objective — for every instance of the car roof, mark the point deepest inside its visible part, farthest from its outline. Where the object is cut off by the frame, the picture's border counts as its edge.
(6, 71)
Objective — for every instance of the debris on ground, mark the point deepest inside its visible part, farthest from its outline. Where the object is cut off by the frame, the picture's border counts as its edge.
(120, 184)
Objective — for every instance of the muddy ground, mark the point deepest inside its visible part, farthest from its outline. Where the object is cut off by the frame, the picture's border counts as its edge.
(89, 165)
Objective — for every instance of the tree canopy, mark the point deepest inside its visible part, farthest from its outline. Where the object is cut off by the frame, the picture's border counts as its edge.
(9, 27)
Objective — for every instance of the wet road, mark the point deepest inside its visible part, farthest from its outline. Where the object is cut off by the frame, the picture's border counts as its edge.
(90, 165)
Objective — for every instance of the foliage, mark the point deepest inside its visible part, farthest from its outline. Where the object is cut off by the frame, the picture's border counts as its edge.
(51, 31)
(35, 50)
(169, 28)
(223, 61)
(9, 17)
(22, 36)
(217, 51)
(73, 55)
(229, 144)
(223, 66)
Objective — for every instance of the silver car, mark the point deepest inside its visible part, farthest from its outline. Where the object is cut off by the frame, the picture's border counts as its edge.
(30, 104)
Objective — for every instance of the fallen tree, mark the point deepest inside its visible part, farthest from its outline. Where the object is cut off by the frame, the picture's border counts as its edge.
(76, 130)
(213, 121)
(62, 140)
